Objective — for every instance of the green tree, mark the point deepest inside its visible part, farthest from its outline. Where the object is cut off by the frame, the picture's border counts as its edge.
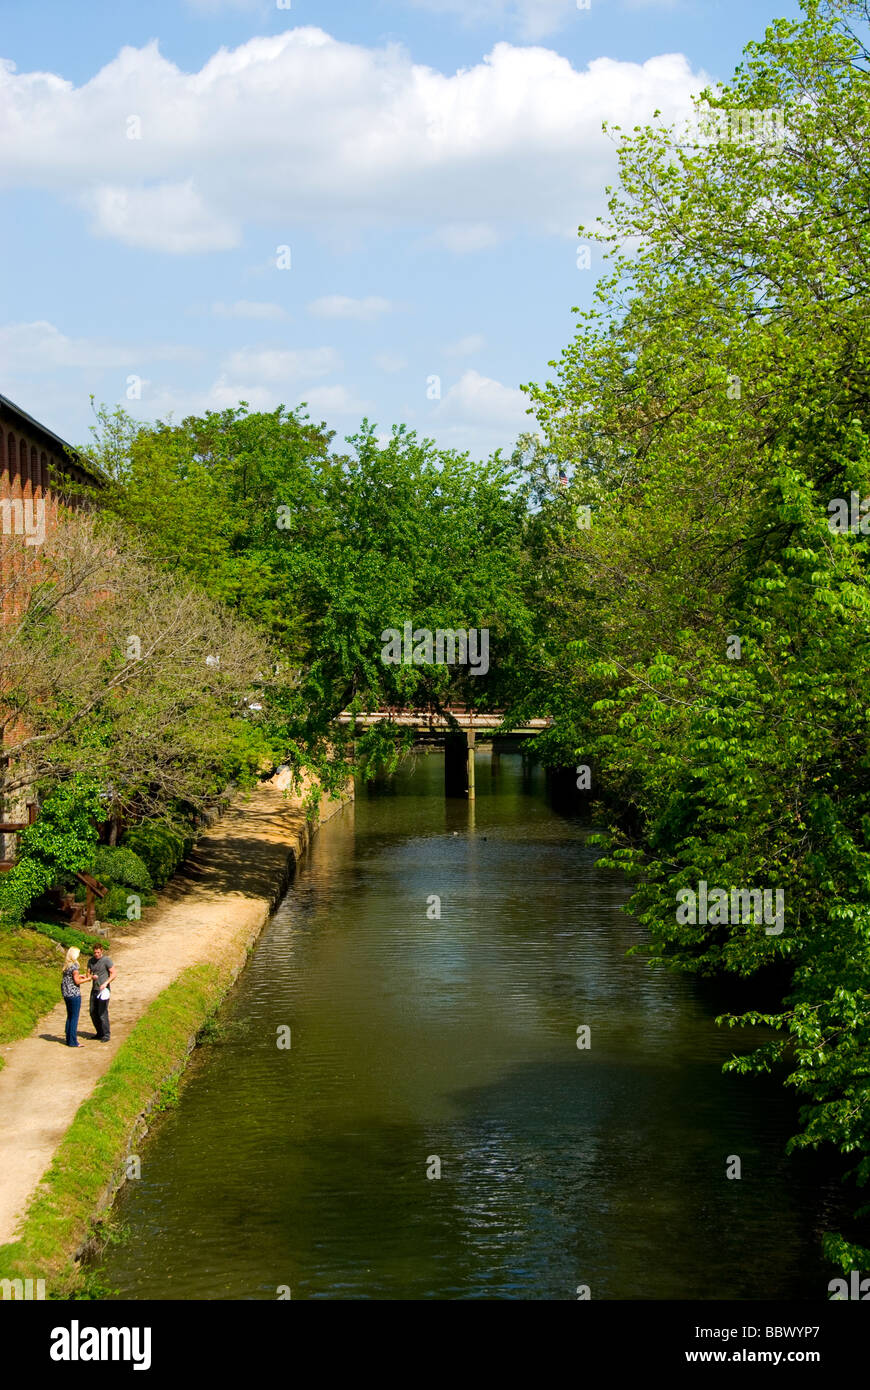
(328, 551)
(113, 669)
(61, 842)
(713, 403)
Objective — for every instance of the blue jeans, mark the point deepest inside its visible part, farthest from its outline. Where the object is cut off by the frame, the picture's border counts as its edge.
(73, 1006)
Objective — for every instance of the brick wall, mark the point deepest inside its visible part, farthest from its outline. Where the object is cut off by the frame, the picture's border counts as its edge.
(32, 460)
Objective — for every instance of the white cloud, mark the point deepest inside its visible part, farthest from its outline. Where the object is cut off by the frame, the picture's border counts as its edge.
(532, 19)
(480, 401)
(228, 391)
(336, 400)
(341, 306)
(222, 394)
(265, 379)
(41, 346)
(169, 217)
(34, 356)
(477, 413)
(465, 347)
(464, 238)
(282, 364)
(248, 309)
(301, 129)
(390, 361)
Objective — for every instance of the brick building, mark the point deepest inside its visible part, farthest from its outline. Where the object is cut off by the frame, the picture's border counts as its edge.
(30, 451)
(38, 470)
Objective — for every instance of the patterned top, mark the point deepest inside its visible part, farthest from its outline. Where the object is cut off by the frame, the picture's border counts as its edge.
(68, 987)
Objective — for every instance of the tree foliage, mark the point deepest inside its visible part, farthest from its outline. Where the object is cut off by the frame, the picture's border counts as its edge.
(712, 404)
(61, 841)
(326, 551)
(113, 669)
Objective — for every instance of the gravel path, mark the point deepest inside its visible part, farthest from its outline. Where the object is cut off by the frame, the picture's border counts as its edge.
(229, 883)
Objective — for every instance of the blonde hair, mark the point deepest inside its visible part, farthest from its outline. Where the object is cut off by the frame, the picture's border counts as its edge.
(72, 956)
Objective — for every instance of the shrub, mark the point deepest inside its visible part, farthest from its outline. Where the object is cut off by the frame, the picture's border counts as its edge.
(161, 847)
(122, 871)
(68, 936)
(114, 904)
(59, 842)
(121, 865)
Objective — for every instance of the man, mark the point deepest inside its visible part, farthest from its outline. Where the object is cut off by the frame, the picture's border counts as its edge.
(103, 971)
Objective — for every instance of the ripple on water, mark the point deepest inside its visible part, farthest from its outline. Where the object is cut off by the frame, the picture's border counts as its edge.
(415, 1039)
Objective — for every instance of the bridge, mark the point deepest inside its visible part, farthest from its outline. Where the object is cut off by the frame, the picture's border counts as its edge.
(459, 727)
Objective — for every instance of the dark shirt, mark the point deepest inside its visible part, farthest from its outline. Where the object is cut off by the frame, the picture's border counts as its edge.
(100, 968)
(68, 987)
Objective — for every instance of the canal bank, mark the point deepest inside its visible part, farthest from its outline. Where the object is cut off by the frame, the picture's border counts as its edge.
(443, 1126)
(69, 1118)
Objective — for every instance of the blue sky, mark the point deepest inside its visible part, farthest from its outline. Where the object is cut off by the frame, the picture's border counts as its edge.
(426, 162)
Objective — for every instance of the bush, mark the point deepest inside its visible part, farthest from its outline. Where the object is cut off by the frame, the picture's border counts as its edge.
(113, 907)
(114, 904)
(161, 847)
(122, 871)
(121, 865)
(68, 936)
(59, 842)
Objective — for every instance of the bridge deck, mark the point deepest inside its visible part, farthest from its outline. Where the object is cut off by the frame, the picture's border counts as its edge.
(464, 719)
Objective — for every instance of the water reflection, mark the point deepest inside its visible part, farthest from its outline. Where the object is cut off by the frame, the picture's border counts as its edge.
(455, 1038)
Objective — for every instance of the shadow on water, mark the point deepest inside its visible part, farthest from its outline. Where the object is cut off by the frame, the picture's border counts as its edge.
(434, 961)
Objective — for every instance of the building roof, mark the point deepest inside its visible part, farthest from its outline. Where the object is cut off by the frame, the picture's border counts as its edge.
(8, 407)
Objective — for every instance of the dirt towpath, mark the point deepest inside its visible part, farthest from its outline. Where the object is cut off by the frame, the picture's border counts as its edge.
(231, 880)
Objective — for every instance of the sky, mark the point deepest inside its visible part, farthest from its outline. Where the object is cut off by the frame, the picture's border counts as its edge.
(370, 207)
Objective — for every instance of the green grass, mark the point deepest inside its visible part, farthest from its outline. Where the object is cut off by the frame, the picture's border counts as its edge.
(30, 966)
(68, 936)
(93, 1152)
(31, 961)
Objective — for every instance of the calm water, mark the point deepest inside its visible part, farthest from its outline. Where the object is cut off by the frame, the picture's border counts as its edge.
(415, 1039)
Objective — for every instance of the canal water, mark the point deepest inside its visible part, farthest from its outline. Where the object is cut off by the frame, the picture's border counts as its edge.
(422, 1044)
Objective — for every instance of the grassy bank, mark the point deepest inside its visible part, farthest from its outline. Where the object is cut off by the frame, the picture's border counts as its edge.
(63, 1217)
(91, 1160)
(31, 961)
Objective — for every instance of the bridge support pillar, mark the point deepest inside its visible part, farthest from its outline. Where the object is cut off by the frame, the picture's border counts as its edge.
(455, 765)
(459, 778)
(527, 762)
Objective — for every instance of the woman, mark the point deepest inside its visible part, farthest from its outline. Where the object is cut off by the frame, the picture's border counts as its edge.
(70, 981)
